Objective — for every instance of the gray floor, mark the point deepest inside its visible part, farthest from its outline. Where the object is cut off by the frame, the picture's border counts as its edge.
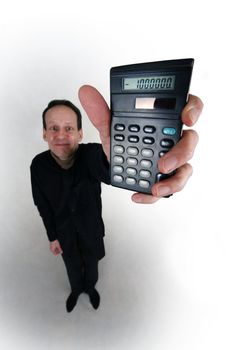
(157, 289)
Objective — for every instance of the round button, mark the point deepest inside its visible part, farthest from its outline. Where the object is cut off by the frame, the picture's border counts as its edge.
(144, 183)
(149, 129)
(144, 173)
(119, 137)
(130, 181)
(132, 161)
(161, 154)
(133, 139)
(146, 163)
(169, 131)
(119, 127)
(167, 143)
(134, 128)
(118, 178)
(160, 176)
(118, 169)
(118, 159)
(132, 151)
(148, 140)
(131, 171)
(147, 152)
(118, 149)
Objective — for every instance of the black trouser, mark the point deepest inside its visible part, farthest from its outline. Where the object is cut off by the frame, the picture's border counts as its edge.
(81, 266)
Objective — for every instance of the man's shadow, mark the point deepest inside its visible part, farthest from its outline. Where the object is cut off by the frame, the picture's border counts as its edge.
(35, 286)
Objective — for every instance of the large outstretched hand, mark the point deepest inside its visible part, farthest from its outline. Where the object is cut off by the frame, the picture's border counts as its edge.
(177, 158)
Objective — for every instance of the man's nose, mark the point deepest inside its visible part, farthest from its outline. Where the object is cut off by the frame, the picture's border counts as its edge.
(61, 134)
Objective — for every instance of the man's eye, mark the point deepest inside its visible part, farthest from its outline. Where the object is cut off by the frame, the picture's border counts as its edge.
(53, 128)
(69, 128)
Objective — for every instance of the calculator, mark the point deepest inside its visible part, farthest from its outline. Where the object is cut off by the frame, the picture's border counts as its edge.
(147, 100)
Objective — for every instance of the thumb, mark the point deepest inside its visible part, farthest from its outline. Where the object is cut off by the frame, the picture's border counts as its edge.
(96, 108)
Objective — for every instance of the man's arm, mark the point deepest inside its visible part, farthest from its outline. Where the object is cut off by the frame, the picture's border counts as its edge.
(45, 212)
(176, 159)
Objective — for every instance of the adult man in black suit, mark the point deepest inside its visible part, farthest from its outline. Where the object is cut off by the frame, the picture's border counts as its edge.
(66, 184)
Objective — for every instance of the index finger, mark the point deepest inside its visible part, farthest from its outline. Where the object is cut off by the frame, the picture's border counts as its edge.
(192, 110)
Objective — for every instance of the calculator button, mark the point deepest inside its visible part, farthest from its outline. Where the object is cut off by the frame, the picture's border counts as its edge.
(118, 178)
(147, 152)
(132, 161)
(133, 139)
(130, 181)
(132, 151)
(149, 129)
(118, 159)
(118, 169)
(167, 143)
(119, 149)
(148, 140)
(146, 163)
(119, 137)
(131, 171)
(144, 173)
(160, 177)
(169, 131)
(161, 154)
(134, 128)
(119, 127)
(144, 183)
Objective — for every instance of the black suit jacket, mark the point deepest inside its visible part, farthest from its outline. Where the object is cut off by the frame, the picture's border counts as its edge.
(69, 201)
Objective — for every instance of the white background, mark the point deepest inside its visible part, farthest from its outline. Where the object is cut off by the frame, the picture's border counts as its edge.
(166, 281)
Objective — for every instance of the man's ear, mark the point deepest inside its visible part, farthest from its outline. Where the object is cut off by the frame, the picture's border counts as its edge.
(44, 134)
(80, 131)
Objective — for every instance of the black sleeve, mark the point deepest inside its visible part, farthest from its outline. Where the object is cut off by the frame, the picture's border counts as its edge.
(42, 204)
(97, 163)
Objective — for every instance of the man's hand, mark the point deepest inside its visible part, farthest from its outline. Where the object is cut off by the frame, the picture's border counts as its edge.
(177, 158)
(98, 113)
(55, 248)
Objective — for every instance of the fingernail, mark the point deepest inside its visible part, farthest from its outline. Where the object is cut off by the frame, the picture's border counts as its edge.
(170, 163)
(194, 114)
(163, 191)
(137, 199)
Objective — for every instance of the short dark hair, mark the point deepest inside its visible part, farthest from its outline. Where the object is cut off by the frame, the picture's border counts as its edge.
(66, 103)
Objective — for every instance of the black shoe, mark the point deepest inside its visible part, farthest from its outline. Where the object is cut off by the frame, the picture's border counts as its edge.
(71, 302)
(94, 298)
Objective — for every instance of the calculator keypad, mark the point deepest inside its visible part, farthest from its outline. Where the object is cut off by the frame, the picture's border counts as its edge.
(136, 146)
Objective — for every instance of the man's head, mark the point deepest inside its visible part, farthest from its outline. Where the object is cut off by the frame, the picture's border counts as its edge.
(62, 128)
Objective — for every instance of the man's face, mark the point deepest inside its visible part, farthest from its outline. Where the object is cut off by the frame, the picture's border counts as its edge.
(61, 133)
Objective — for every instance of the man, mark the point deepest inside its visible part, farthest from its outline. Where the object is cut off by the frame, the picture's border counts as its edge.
(66, 184)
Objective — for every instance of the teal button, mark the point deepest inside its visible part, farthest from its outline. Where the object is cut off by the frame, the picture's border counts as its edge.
(169, 131)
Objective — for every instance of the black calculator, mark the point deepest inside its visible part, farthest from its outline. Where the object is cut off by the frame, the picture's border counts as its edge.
(146, 104)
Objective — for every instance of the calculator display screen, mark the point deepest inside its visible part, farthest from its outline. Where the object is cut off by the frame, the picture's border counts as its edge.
(149, 83)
